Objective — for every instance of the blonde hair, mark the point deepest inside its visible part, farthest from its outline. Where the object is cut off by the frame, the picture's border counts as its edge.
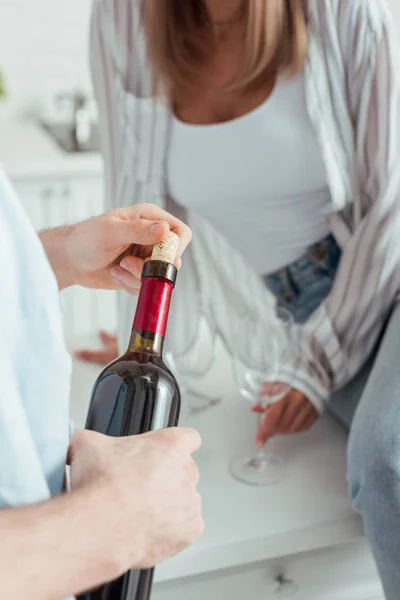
(275, 42)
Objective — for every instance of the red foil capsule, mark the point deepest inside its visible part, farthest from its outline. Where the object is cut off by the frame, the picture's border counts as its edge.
(153, 305)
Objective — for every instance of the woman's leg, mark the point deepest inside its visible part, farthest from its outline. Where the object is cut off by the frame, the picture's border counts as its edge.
(374, 456)
(369, 406)
(343, 403)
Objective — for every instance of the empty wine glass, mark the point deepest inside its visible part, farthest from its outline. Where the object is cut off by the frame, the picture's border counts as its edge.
(264, 364)
(191, 363)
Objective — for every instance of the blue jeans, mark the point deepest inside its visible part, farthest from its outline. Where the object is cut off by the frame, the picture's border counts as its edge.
(369, 406)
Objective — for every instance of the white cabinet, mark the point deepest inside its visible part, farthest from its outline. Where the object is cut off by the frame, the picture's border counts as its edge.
(54, 201)
(341, 573)
(59, 201)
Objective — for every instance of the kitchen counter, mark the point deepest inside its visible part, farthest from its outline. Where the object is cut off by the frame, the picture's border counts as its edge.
(308, 510)
(28, 152)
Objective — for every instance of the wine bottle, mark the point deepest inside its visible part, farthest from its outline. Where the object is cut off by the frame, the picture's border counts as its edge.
(137, 393)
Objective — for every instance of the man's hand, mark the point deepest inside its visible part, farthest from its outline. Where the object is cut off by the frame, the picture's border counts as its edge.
(147, 487)
(133, 504)
(108, 251)
(293, 414)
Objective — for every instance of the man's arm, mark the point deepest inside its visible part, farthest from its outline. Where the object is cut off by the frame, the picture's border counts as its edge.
(108, 251)
(94, 534)
(54, 549)
(55, 243)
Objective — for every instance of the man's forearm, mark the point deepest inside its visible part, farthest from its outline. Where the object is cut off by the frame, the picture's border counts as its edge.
(54, 242)
(55, 549)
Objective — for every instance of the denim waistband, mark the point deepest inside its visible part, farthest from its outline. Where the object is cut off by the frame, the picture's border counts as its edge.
(304, 284)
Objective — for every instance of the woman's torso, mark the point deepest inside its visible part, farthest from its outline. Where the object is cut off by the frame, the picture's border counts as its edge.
(258, 178)
(137, 142)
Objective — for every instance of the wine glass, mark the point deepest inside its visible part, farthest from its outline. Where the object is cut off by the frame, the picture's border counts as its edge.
(193, 361)
(264, 364)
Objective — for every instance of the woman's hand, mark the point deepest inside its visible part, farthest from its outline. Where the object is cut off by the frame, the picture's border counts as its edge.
(293, 414)
(108, 251)
(105, 355)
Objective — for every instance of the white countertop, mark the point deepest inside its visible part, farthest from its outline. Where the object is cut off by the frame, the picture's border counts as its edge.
(309, 509)
(27, 151)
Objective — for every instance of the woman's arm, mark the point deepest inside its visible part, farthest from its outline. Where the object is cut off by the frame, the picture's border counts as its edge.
(341, 334)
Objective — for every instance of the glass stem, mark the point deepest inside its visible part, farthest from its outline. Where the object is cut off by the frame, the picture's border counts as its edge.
(260, 453)
(260, 419)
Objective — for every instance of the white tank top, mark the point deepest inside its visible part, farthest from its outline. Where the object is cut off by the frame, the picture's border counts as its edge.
(259, 179)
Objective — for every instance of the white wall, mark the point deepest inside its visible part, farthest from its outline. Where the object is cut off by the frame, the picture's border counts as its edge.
(43, 48)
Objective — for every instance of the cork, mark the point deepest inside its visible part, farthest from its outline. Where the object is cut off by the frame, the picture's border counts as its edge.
(167, 249)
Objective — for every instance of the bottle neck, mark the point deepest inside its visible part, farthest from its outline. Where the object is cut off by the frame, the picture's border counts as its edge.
(151, 317)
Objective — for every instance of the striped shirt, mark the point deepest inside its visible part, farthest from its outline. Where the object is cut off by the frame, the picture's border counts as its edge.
(353, 99)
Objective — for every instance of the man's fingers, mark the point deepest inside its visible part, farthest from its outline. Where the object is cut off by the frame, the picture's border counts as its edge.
(132, 264)
(152, 213)
(125, 279)
(181, 437)
(185, 237)
(143, 232)
(190, 438)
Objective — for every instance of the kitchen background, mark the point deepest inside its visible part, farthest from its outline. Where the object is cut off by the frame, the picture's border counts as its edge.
(43, 49)
(44, 61)
(268, 543)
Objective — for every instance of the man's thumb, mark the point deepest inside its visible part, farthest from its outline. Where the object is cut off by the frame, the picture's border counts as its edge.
(143, 232)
